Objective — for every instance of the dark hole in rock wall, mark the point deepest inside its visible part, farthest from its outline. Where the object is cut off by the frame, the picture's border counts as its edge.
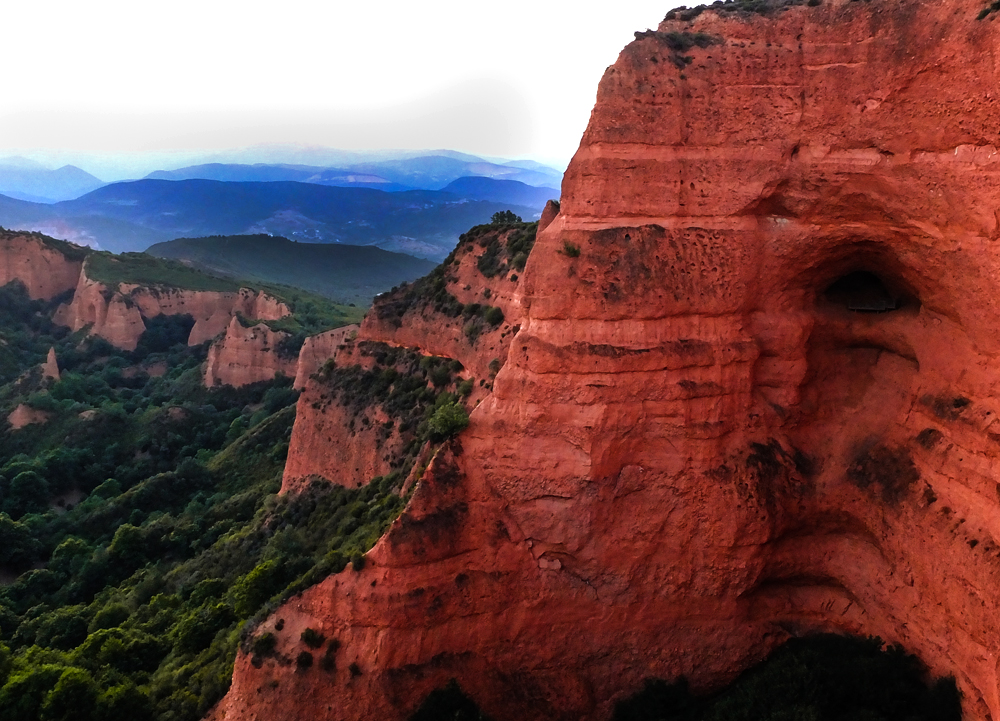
(862, 292)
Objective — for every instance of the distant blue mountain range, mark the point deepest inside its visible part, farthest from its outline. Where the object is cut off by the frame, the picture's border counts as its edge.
(133, 215)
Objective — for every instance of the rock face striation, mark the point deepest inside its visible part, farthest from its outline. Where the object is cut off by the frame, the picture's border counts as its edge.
(753, 392)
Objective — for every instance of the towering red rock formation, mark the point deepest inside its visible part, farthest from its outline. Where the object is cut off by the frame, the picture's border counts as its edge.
(46, 267)
(700, 443)
(50, 368)
(109, 313)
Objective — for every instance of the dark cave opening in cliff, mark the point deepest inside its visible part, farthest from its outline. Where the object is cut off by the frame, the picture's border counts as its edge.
(862, 291)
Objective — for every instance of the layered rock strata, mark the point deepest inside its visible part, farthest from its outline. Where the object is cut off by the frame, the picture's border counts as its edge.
(702, 441)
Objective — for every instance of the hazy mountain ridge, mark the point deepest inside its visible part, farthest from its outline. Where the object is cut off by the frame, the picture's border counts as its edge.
(25, 179)
(501, 191)
(426, 172)
(134, 215)
(261, 172)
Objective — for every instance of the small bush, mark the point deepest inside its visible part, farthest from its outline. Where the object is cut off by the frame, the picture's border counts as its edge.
(264, 644)
(493, 315)
(505, 217)
(304, 660)
(472, 331)
(328, 662)
(570, 250)
(312, 638)
(448, 419)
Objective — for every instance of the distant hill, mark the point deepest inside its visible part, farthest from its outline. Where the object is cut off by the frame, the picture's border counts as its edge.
(27, 180)
(345, 273)
(434, 172)
(260, 172)
(132, 216)
(423, 172)
(501, 191)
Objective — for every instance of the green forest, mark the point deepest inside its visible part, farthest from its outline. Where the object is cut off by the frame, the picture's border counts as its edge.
(140, 522)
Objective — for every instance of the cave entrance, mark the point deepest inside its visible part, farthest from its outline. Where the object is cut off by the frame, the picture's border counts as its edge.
(862, 292)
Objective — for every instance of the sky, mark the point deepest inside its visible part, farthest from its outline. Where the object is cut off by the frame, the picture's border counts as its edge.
(124, 88)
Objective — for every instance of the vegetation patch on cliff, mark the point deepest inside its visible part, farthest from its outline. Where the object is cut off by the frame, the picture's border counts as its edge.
(989, 10)
(759, 7)
(504, 247)
(411, 389)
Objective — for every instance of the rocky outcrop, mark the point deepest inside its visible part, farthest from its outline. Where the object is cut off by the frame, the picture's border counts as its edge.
(38, 263)
(24, 415)
(212, 311)
(444, 315)
(416, 316)
(117, 314)
(110, 314)
(50, 368)
(317, 350)
(700, 443)
(247, 355)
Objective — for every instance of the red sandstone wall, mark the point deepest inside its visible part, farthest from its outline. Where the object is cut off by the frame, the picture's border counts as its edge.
(44, 271)
(117, 315)
(246, 355)
(690, 454)
(319, 348)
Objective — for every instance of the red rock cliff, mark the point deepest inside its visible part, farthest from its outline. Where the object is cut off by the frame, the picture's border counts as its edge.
(247, 355)
(698, 445)
(319, 348)
(448, 314)
(116, 314)
(38, 263)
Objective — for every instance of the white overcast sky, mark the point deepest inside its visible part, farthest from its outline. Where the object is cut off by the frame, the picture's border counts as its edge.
(512, 78)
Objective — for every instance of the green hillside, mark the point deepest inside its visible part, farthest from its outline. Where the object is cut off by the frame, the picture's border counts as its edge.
(147, 270)
(140, 526)
(345, 273)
